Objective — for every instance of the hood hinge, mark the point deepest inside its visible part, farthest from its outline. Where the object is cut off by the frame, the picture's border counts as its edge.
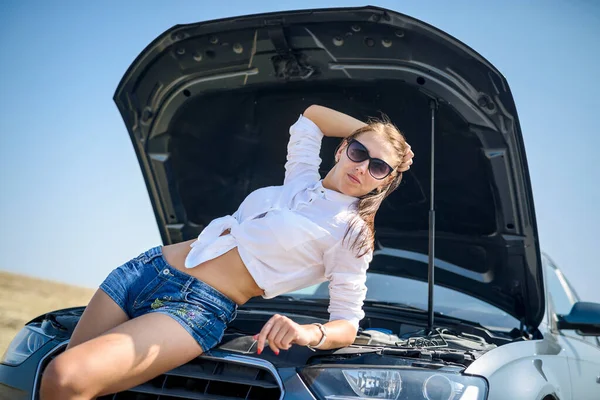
(288, 64)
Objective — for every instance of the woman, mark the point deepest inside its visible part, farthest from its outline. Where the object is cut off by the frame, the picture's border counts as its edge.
(169, 305)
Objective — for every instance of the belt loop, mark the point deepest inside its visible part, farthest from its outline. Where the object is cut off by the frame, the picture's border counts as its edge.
(150, 255)
(187, 284)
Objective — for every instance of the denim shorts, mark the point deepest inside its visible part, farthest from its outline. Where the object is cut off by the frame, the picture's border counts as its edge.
(147, 284)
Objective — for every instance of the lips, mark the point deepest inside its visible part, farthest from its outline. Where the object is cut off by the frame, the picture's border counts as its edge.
(354, 179)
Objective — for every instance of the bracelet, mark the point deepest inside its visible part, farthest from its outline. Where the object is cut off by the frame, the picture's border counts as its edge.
(323, 338)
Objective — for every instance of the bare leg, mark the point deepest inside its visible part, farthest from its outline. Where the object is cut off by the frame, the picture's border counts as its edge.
(100, 315)
(128, 355)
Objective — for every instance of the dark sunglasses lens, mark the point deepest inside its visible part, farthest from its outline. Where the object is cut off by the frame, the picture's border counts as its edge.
(357, 152)
(379, 169)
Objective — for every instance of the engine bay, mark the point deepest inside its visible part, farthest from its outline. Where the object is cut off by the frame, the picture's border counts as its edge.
(376, 343)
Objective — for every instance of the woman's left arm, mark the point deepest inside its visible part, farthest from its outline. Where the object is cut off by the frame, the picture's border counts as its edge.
(347, 276)
(282, 333)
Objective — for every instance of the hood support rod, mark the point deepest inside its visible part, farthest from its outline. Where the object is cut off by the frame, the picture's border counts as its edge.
(431, 253)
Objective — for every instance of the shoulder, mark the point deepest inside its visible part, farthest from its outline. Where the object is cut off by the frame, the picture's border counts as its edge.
(353, 240)
(355, 228)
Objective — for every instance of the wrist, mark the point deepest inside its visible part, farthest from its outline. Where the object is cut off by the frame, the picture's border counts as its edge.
(315, 334)
(318, 336)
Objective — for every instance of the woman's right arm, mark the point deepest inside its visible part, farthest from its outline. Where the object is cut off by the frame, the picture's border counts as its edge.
(337, 124)
(332, 122)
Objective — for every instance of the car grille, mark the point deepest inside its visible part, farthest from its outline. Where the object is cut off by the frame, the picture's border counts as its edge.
(224, 377)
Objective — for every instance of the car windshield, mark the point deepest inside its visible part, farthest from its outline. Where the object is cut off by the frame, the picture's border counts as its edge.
(413, 293)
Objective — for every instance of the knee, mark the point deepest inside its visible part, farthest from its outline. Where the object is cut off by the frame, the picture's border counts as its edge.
(61, 380)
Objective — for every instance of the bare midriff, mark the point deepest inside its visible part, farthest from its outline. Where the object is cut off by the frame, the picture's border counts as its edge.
(226, 273)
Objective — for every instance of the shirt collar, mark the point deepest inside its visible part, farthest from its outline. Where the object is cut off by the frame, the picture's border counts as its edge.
(333, 195)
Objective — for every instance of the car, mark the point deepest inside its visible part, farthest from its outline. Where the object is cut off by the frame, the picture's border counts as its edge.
(461, 305)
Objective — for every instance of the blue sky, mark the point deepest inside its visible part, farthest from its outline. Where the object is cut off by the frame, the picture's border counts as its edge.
(73, 204)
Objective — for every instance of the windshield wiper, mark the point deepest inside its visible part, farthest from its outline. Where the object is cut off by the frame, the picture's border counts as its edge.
(397, 306)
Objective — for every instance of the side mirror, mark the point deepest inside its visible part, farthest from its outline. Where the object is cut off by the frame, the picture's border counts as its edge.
(584, 317)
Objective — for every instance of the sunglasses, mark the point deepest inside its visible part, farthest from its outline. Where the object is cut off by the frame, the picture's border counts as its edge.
(357, 152)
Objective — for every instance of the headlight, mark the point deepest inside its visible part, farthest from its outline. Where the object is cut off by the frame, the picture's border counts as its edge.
(27, 342)
(358, 382)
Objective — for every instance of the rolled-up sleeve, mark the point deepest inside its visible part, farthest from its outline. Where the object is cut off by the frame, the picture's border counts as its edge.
(304, 146)
(347, 275)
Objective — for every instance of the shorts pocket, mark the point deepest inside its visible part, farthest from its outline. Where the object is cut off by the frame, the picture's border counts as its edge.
(148, 291)
(195, 317)
(206, 304)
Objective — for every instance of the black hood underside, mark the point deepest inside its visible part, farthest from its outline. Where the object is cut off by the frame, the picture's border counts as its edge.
(208, 107)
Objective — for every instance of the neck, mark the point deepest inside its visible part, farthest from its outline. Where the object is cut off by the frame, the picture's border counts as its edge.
(328, 182)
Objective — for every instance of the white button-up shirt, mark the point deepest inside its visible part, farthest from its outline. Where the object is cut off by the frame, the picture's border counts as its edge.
(291, 236)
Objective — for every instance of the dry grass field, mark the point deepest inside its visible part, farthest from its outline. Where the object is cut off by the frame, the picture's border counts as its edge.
(23, 298)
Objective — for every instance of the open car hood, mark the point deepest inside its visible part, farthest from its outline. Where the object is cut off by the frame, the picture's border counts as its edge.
(208, 107)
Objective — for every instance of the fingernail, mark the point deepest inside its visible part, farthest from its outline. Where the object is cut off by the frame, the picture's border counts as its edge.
(258, 351)
(277, 353)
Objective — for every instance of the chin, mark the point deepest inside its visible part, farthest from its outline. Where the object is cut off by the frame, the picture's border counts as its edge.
(347, 189)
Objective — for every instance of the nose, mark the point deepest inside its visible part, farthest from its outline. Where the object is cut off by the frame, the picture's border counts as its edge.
(362, 167)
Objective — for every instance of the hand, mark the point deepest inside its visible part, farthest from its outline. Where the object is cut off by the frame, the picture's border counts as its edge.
(406, 160)
(282, 332)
